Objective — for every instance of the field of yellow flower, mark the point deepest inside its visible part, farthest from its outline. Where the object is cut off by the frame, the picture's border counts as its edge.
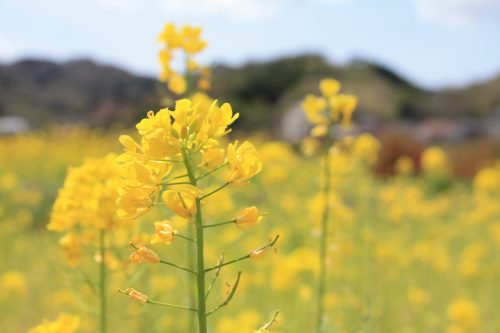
(406, 254)
(177, 226)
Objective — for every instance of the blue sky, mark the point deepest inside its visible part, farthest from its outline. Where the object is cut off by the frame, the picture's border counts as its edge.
(432, 42)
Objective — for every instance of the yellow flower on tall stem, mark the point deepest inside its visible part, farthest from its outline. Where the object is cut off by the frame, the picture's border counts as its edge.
(324, 112)
(184, 142)
(87, 204)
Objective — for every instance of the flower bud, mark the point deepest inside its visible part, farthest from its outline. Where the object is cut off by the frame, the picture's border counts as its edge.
(257, 254)
(248, 217)
(137, 296)
(143, 254)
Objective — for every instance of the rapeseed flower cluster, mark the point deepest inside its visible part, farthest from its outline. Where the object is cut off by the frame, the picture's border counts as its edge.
(86, 206)
(185, 42)
(178, 152)
(85, 210)
(328, 109)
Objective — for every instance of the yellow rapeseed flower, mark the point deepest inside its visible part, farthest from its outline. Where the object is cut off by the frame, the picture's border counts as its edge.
(213, 157)
(314, 108)
(177, 84)
(329, 87)
(248, 217)
(182, 200)
(435, 161)
(464, 313)
(244, 162)
(63, 324)
(164, 232)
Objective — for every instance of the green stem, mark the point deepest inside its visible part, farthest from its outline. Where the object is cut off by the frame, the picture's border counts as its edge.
(191, 283)
(219, 224)
(102, 283)
(200, 255)
(323, 240)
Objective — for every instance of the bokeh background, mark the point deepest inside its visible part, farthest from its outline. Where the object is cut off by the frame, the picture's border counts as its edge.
(414, 242)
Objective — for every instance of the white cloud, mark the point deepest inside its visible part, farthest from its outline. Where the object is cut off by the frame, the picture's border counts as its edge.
(337, 2)
(237, 9)
(459, 12)
(120, 5)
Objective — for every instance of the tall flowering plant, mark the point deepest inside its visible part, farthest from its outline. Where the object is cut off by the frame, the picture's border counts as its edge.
(177, 151)
(85, 211)
(325, 113)
(184, 43)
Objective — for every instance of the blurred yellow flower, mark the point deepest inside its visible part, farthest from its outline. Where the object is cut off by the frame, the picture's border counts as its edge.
(63, 324)
(177, 84)
(435, 161)
(329, 87)
(464, 313)
(164, 232)
(248, 217)
(404, 166)
(314, 108)
(143, 254)
(13, 282)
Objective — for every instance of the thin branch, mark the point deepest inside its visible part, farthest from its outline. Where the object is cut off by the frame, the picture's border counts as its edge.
(270, 244)
(229, 296)
(164, 304)
(173, 306)
(185, 237)
(214, 191)
(88, 281)
(177, 266)
(175, 183)
(271, 322)
(212, 171)
(219, 224)
(183, 202)
(216, 275)
(166, 160)
(176, 177)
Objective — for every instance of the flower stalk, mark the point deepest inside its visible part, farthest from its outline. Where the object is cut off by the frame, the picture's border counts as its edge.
(102, 283)
(324, 239)
(200, 255)
(324, 112)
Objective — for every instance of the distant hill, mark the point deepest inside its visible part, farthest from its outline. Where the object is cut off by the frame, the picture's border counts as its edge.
(43, 91)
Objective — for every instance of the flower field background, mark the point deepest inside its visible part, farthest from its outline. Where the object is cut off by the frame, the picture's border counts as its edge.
(154, 211)
(407, 253)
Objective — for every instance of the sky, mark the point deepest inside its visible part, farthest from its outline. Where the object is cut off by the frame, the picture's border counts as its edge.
(434, 43)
